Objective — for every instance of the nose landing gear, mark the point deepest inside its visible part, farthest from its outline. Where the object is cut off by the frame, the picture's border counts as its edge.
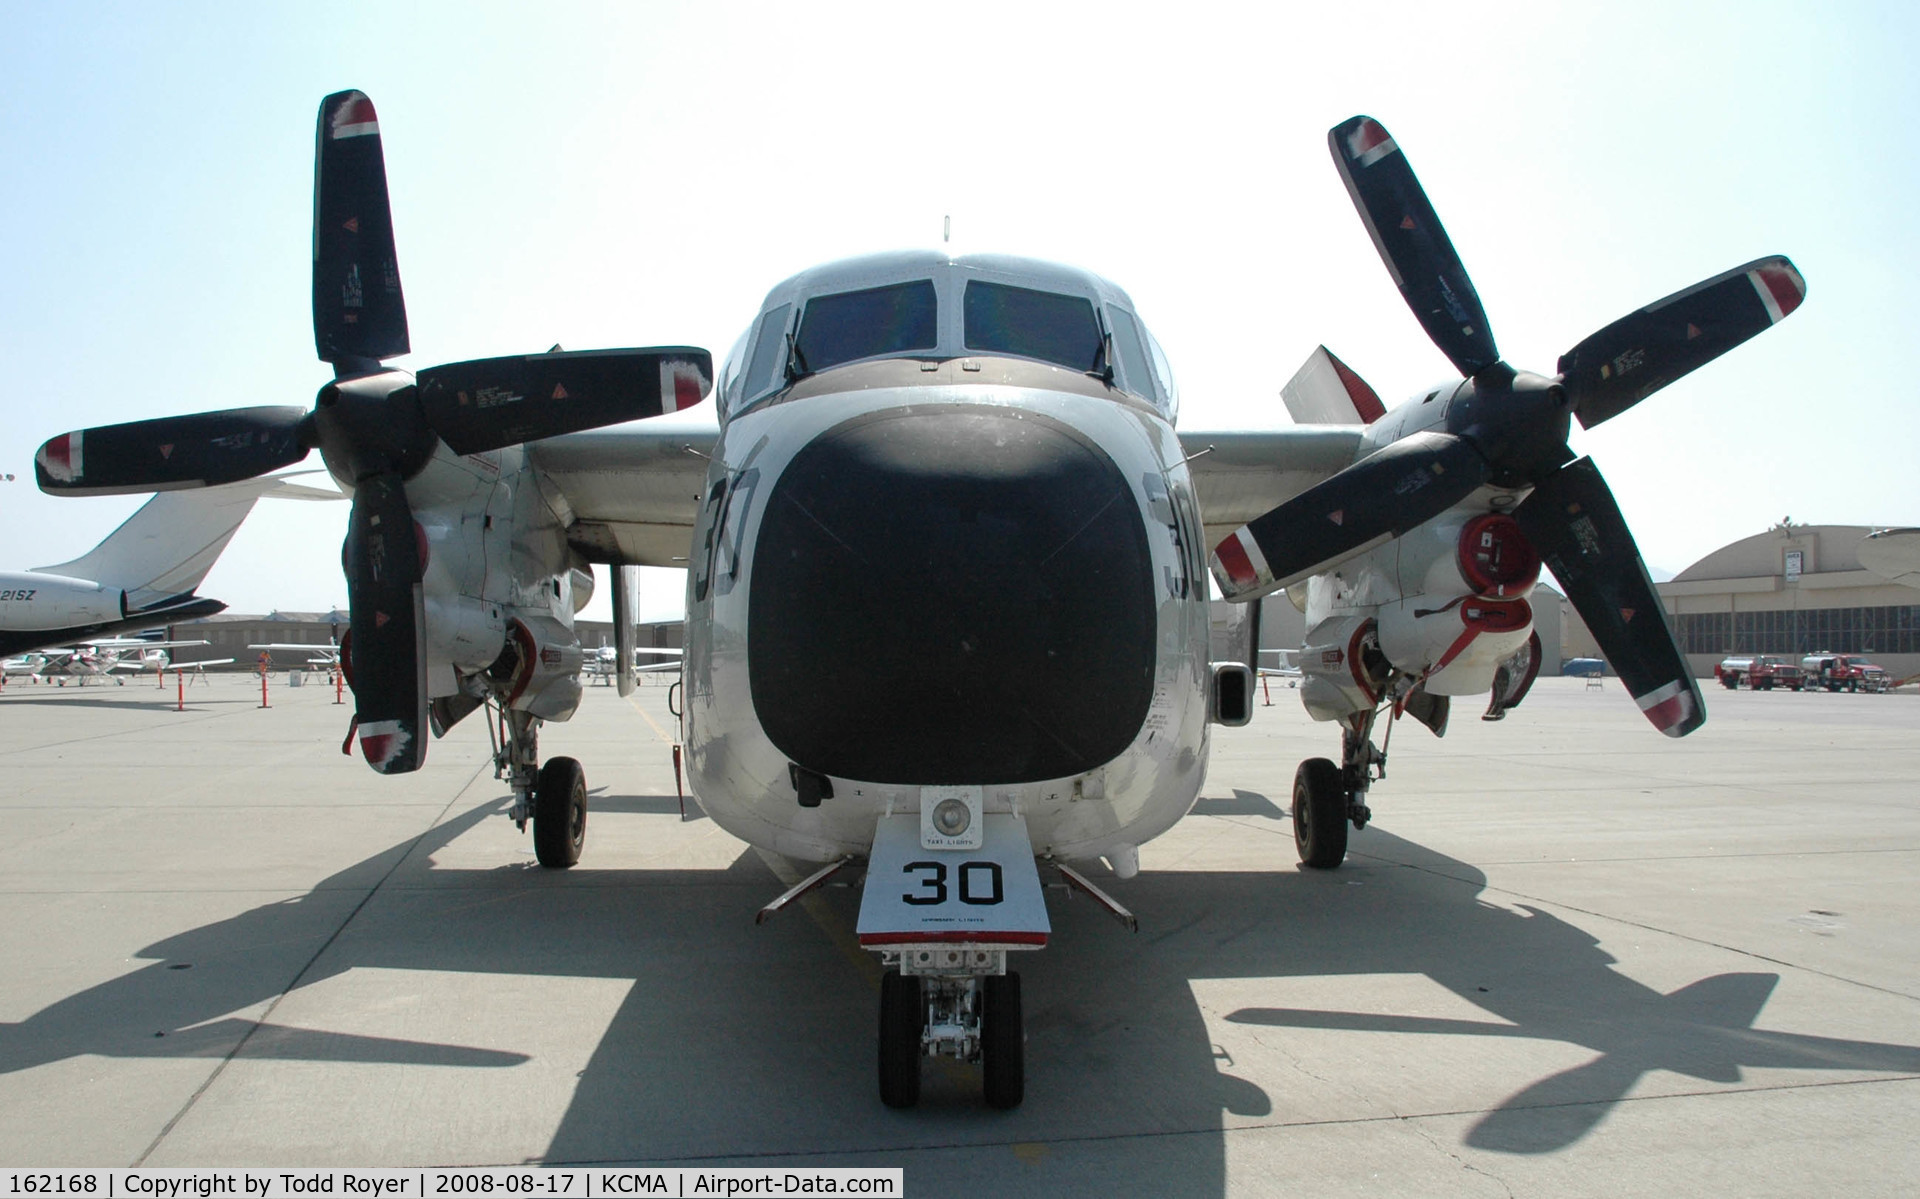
(964, 1013)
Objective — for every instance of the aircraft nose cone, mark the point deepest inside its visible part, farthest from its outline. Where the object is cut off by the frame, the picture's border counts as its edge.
(951, 596)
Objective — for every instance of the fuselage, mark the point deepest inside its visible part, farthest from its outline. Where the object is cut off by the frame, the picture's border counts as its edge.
(970, 557)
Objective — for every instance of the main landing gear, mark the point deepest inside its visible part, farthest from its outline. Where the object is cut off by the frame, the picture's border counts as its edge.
(553, 796)
(1327, 799)
(969, 1011)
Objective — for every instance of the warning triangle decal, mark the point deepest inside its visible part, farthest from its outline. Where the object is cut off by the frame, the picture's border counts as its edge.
(559, 392)
(1693, 330)
(380, 620)
(1626, 615)
(1406, 222)
(1338, 516)
(352, 225)
(166, 451)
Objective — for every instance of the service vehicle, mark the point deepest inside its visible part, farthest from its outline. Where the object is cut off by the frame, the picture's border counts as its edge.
(1842, 672)
(1760, 672)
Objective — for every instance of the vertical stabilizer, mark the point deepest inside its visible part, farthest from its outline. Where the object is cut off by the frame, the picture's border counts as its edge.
(167, 547)
(1325, 391)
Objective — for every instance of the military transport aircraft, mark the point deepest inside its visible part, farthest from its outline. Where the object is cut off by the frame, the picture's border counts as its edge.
(947, 602)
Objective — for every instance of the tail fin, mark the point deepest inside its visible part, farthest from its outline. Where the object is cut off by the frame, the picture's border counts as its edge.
(167, 547)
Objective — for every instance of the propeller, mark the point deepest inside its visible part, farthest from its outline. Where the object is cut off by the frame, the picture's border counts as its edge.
(1509, 428)
(377, 427)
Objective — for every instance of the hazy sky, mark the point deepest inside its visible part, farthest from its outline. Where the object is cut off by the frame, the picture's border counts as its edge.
(641, 174)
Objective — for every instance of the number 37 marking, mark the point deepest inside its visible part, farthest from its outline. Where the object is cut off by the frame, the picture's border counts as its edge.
(932, 877)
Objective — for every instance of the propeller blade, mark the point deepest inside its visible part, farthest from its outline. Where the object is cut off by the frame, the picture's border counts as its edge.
(359, 315)
(1412, 242)
(493, 402)
(1638, 354)
(1383, 495)
(169, 453)
(1572, 520)
(384, 559)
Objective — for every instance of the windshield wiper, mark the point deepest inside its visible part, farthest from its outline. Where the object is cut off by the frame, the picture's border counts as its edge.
(796, 368)
(1102, 368)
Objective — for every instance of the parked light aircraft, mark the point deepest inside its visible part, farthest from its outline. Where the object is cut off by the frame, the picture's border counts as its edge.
(324, 657)
(143, 575)
(100, 658)
(946, 607)
(604, 662)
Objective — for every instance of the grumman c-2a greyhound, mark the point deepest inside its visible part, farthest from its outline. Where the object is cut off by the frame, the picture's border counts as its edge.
(946, 598)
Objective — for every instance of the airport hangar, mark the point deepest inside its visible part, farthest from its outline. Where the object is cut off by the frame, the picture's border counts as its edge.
(1792, 590)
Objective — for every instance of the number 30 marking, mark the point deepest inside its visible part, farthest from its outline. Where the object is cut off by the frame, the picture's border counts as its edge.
(933, 886)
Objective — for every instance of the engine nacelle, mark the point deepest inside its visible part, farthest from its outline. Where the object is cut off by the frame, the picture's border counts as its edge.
(463, 634)
(1485, 555)
(1462, 641)
(1341, 668)
(541, 667)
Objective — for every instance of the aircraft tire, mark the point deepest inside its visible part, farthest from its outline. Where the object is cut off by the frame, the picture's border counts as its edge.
(559, 813)
(1003, 1050)
(903, 1014)
(1319, 814)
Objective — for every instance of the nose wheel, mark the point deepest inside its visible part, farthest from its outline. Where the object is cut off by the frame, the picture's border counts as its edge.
(973, 1018)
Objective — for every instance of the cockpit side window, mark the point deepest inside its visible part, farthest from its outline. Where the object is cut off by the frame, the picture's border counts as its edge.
(1032, 324)
(769, 351)
(867, 324)
(1163, 377)
(1135, 377)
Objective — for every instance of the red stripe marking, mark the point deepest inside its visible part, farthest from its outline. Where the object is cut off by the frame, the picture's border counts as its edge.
(55, 455)
(686, 390)
(1232, 555)
(1671, 712)
(1366, 137)
(953, 938)
(1787, 290)
(357, 111)
(1366, 401)
(378, 747)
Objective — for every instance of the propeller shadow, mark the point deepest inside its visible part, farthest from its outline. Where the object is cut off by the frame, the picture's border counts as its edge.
(725, 1026)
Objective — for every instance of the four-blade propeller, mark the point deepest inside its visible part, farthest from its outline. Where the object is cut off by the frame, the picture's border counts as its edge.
(1509, 428)
(376, 426)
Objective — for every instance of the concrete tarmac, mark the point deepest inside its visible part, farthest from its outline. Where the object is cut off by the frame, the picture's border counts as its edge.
(1570, 956)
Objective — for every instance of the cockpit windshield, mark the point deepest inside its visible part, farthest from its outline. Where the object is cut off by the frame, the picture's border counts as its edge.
(866, 324)
(1001, 319)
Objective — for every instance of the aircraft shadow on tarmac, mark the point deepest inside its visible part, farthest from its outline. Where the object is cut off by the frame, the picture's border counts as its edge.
(730, 1030)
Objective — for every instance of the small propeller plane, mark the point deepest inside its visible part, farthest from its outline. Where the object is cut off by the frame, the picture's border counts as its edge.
(101, 658)
(947, 612)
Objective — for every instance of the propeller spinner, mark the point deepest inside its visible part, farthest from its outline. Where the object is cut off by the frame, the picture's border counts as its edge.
(376, 425)
(1509, 428)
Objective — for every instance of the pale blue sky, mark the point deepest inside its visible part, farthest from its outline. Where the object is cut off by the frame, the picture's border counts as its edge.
(640, 174)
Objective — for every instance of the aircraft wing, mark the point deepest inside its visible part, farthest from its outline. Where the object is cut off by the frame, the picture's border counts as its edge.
(633, 490)
(137, 643)
(1240, 474)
